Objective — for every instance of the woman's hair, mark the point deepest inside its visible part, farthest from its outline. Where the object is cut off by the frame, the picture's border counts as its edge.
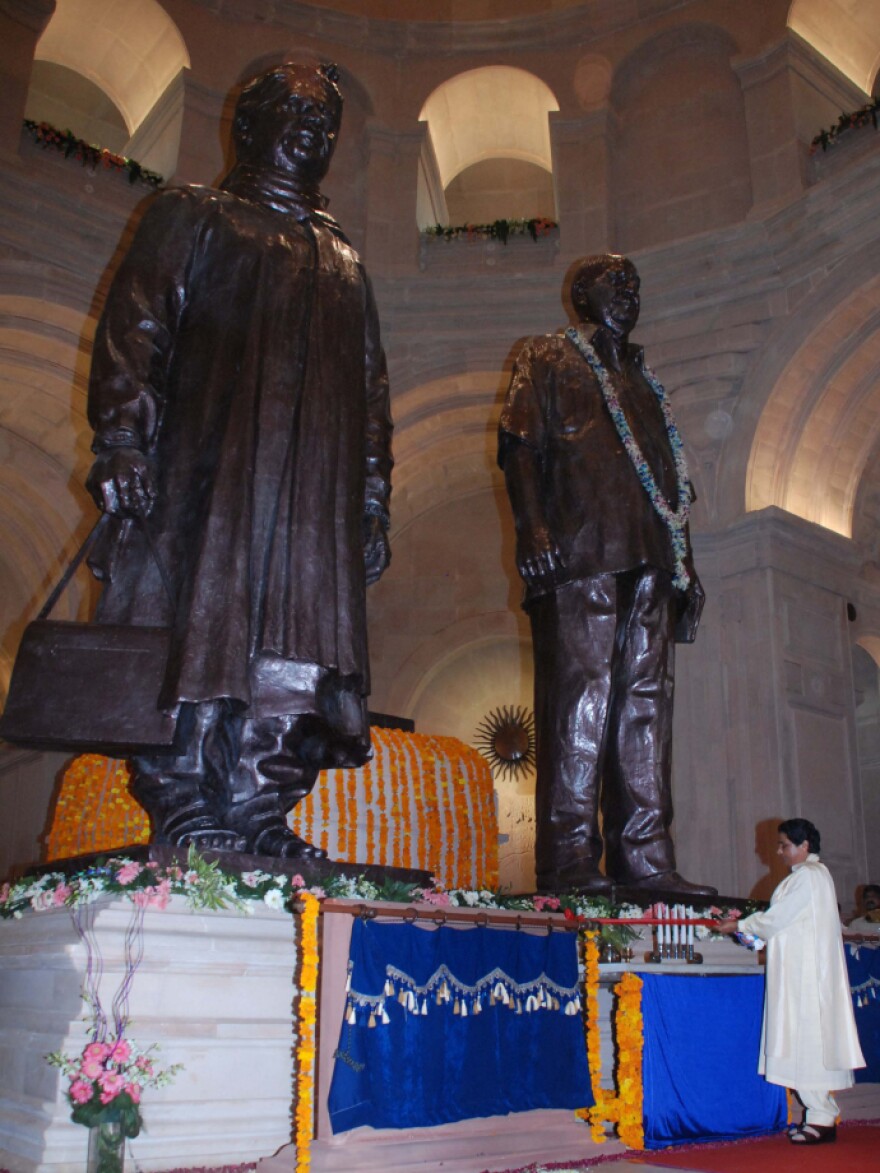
(801, 831)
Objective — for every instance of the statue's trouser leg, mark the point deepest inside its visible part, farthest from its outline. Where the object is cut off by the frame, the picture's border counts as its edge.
(636, 791)
(573, 634)
(266, 782)
(182, 792)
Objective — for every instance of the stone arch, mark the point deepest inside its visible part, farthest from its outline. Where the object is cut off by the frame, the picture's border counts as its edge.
(459, 674)
(847, 34)
(454, 577)
(132, 51)
(458, 677)
(44, 456)
(444, 442)
(866, 695)
(677, 99)
(871, 645)
(820, 422)
(487, 153)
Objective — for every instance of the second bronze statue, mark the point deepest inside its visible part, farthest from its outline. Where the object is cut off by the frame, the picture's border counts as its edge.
(239, 400)
(598, 482)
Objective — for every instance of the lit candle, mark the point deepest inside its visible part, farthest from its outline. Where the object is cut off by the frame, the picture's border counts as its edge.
(667, 927)
(690, 927)
(675, 926)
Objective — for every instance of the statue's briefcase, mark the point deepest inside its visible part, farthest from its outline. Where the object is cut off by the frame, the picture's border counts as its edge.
(88, 686)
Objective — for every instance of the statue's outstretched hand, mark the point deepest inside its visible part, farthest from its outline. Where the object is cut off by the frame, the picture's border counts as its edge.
(122, 482)
(539, 560)
(377, 548)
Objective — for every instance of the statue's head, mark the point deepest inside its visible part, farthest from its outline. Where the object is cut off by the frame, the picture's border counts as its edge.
(605, 290)
(287, 119)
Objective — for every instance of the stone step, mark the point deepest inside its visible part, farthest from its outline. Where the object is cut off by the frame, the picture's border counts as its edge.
(472, 1146)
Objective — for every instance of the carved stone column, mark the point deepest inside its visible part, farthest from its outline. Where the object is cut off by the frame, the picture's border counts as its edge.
(392, 188)
(21, 24)
(580, 170)
(790, 93)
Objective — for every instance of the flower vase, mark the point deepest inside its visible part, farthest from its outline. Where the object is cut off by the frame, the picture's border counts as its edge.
(106, 1148)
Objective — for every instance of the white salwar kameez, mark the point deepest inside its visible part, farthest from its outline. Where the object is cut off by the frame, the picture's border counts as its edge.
(809, 1040)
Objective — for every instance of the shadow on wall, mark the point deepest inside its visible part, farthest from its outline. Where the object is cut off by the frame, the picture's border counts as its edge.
(766, 838)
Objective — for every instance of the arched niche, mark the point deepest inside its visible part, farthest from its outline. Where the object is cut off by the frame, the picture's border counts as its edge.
(133, 53)
(866, 691)
(820, 424)
(680, 160)
(45, 511)
(846, 33)
(487, 154)
(479, 667)
(452, 537)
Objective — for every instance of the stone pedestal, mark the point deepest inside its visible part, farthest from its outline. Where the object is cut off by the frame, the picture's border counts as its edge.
(214, 990)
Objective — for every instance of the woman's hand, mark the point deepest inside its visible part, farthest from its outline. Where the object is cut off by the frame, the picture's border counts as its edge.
(726, 926)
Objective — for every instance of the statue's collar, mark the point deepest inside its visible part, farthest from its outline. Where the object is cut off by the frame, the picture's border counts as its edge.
(275, 190)
(634, 353)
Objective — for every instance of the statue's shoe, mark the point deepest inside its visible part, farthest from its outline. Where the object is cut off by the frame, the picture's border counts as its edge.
(282, 843)
(670, 882)
(211, 839)
(194, 825)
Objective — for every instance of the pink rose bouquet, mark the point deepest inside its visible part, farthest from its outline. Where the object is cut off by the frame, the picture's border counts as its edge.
(108, 1079)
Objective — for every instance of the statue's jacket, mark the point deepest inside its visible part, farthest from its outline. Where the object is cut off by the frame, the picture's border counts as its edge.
(239, 349)
(595, 506)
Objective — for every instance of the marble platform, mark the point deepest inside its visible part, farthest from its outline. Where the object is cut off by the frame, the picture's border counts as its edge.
(214, 990)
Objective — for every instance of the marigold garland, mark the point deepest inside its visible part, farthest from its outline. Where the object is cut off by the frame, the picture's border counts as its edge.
(424, 801)
(630, 1032)
(594, 1115)
(306, 1035)
(94, 810)
(624, 1105)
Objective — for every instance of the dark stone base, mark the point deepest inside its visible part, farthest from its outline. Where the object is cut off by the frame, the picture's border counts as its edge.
(621, 894)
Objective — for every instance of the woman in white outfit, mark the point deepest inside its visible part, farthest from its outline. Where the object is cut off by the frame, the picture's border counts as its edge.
(809, 1040)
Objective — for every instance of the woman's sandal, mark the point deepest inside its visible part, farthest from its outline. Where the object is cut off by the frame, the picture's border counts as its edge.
(814, 1134)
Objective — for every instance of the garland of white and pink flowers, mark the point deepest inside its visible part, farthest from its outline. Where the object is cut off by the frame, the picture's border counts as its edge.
(676, 519)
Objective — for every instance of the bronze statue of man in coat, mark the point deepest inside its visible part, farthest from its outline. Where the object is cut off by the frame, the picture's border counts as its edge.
(239, 400)
(598, 483)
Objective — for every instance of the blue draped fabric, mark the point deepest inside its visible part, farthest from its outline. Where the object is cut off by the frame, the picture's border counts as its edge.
(700, 1060)
(437, 1067)
(863, 965)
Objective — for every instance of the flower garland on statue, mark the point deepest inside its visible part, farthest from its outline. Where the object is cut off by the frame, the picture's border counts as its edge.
(675, 520)
(306, 1038)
